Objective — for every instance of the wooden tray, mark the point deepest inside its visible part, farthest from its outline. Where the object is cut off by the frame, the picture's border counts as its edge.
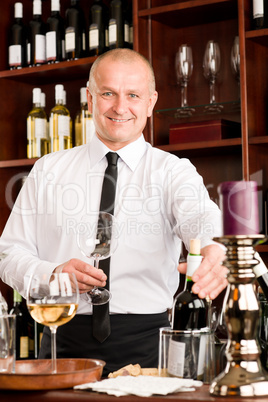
(36, 374)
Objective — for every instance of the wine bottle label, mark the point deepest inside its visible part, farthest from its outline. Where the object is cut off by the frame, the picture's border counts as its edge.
(63, 49)
(112, 31)
(51, 49)
(93, 36)
(70, 39)
(258, 8)
(28, 53)
(14, 55)
(84, 41)
(40, 128)
(24, 347)
(176, 357)
(40, 48)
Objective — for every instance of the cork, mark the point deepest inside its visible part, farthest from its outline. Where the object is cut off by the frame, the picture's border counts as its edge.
(195, 246)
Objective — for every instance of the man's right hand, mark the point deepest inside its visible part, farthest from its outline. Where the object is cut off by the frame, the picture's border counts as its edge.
(87, 276)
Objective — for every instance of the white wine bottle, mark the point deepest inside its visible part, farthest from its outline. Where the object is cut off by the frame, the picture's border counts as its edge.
(76, 43)
(37, 128)
(84, 125)
(24, 328)
(59, 123)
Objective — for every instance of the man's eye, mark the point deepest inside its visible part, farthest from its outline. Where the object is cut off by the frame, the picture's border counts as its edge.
(107, 94)
(133, 95)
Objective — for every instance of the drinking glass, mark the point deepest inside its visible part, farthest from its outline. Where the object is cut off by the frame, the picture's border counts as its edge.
(96, 239)
(235, 62)
(184, 69)
(211, 68)
(52, 300)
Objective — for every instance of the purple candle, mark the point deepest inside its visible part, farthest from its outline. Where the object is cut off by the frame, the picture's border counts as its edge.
(239, 206)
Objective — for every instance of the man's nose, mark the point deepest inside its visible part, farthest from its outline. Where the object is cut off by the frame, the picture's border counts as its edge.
(120, 105)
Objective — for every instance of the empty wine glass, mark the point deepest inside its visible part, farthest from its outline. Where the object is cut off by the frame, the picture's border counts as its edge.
(211, 68)
(184, 69)
(235, 62)
(96, 239)
(52, 300)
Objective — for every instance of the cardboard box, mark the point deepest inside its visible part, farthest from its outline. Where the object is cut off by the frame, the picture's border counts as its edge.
(203, 131)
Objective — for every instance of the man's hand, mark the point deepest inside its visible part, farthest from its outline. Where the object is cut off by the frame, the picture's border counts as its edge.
(87, 276)
(210, 277)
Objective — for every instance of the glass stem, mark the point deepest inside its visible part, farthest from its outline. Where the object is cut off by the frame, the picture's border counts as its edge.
(53, 331)
(212, 91)
(184, 94)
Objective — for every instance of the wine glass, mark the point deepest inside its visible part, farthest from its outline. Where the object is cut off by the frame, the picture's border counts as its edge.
(235, 62)
(211, 67)
(96, 239)
(184, 69)
(52, 300)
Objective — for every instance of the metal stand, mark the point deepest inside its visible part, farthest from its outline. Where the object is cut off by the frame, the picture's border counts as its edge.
(243, 375)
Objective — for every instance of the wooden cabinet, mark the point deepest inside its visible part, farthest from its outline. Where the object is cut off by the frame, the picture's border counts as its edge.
(160, 26)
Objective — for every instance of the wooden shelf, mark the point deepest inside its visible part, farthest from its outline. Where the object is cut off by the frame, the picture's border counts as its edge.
(233, 142)
(17, 162)
(51, 73)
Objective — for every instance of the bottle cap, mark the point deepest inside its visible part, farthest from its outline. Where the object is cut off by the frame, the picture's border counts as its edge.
(43, 99)
(18, 10)
(36, 95)
(37, 7)
(83, 95)
(55, 5)
(59, 92)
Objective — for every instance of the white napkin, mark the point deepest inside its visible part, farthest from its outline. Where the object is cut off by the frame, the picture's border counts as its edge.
(141, 385)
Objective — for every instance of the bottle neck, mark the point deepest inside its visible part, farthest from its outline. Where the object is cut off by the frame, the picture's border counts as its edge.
(16, 297)
(188, 283)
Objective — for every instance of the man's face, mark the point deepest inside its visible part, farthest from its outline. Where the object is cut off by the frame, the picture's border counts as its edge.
(121, 101)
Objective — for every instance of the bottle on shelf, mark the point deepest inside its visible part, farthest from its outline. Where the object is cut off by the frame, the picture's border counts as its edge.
(259, 11)
(71, 122)
(189, 311)
(261, 272)
(55, 36)
(98, 28)
(128, 25)
(59, 123)
(116, 25)
(263, 325)
(75, 32)
(17, 50)
(24, 328)
(37, 141)
(37, 36)
(84, 125)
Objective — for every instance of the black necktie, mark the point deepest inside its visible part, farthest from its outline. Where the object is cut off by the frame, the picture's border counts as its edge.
(101, 319)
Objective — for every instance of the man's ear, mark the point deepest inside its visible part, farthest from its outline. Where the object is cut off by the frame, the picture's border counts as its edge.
(89, 101)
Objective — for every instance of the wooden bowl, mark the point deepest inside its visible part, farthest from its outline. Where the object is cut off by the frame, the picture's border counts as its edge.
(36, 374)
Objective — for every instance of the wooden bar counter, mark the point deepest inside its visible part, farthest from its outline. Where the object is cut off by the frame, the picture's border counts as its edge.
(70, 395)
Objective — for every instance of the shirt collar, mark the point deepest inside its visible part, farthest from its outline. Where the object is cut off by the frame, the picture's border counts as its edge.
(131, 154)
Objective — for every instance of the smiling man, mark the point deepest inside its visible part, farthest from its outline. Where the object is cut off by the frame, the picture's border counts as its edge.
(160, 202)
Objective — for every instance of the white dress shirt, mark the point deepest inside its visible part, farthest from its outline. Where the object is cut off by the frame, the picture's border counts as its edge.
(160, 199)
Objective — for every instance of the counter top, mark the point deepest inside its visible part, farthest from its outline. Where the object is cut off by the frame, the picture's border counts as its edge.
(201, 394)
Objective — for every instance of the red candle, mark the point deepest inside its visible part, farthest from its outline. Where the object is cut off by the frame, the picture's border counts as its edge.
(239, 206)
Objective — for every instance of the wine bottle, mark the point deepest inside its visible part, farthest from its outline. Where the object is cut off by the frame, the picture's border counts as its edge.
(59, 123)
(24, 328)
(98, 21)
(116, 25)
(189, 311)
(55, 36)
(75, 32)
(71, 122)
(17, 50)
(84, 125)
(258, 13)
(261, 272)
(37, 128)
(128, 25)
(37, 35)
